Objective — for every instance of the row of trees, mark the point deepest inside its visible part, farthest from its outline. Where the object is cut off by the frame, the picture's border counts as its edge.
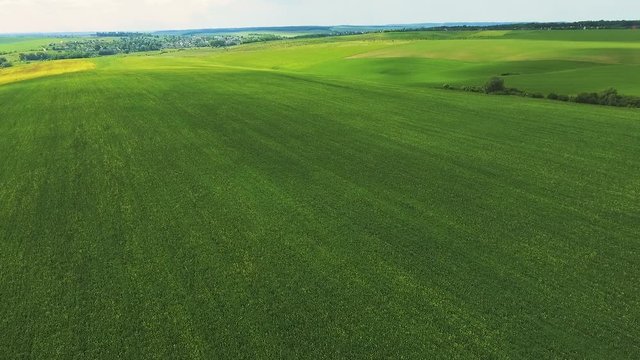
(94, 47)
(117, 34)
(134, 43)
(43, 56)
(609, 97)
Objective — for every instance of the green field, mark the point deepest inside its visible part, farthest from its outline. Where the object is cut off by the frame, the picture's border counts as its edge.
(323, 198)
(11, 47)
(546, 64)
(18, 44)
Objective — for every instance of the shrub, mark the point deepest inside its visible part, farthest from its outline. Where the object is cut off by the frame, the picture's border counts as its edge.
(105, 52)
(472, 89)
(494, 85)
(510, 91)
(609, 97)
(587, 98)
(4, 63)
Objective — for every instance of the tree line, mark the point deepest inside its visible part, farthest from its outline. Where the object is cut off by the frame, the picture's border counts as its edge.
(609, 97)
(579, 25)
(138, 43)
(117, 34)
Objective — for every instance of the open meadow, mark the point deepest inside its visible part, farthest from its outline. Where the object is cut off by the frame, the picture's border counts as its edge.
(323, 198)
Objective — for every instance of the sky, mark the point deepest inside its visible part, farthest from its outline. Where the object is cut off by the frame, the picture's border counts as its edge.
(23, 16)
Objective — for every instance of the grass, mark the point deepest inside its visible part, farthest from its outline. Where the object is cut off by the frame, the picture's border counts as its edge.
(577, 35)
(17, 44)
(252, 203)
(459, 58)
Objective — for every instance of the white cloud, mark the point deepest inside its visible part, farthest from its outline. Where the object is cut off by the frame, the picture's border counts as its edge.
(91, 15)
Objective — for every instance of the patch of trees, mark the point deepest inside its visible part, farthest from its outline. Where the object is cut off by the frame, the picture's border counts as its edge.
(496, 86)
(252, 38)
(138, 43)
(4, 63)
(236, 31)
(333, 33)
(609, 97)
(39, 56)
(43, 56)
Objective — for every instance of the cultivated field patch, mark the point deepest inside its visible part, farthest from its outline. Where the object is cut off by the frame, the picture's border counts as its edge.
(43, 69)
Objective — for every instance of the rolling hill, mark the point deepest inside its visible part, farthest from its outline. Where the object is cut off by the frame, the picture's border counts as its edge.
(322, 198)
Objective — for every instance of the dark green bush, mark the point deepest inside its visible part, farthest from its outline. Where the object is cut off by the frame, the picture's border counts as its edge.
(4, 63)
(532, 95)
(609, 97)
(587, 98)
(494, 85)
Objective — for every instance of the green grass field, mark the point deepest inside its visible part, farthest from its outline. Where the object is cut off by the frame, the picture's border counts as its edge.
(322, 199)
(547, 64)
(17, 44)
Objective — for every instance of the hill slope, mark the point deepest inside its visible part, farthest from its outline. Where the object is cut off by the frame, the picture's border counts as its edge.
(179, 206)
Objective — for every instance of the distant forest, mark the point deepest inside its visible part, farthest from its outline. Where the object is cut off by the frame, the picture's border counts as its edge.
(580, 25)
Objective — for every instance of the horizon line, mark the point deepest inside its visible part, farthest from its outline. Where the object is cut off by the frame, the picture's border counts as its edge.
(423, 24)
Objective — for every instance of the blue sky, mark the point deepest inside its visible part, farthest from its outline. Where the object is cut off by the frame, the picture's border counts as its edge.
(99, 15)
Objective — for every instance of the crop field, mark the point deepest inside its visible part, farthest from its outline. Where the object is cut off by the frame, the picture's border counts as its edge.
(17, 44)
(38, 70)
(548, 63)
(323, 198)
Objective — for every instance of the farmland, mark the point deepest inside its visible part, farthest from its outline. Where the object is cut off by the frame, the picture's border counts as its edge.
(323, 198)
